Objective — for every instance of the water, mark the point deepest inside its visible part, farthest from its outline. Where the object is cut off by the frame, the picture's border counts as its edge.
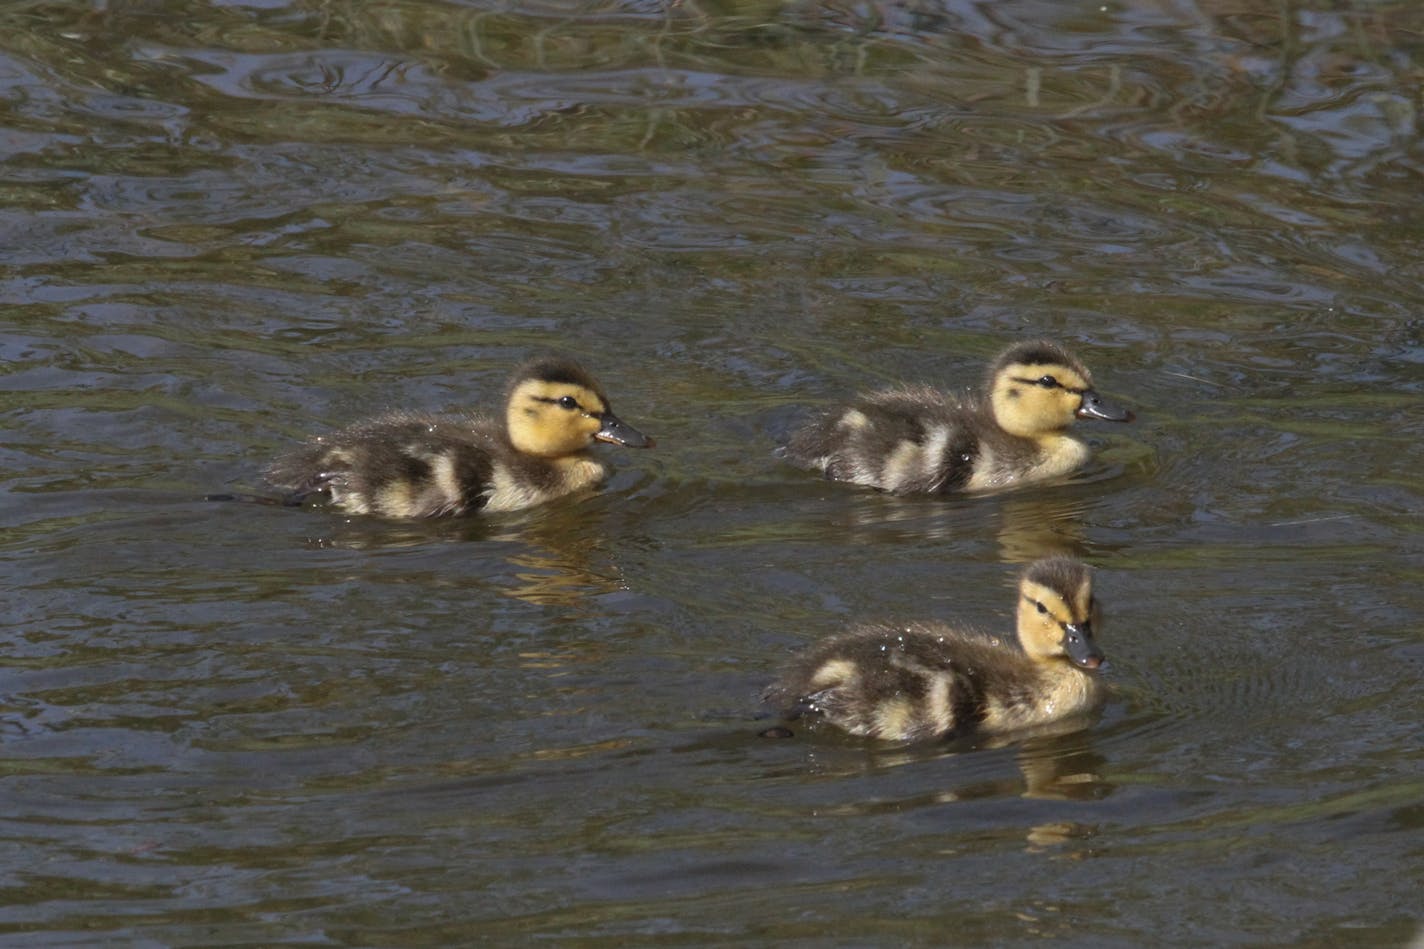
(232, 225)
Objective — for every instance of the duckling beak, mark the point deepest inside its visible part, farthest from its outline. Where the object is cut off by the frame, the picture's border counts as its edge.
(1095, 406)
(618, 432)
(1078, 643)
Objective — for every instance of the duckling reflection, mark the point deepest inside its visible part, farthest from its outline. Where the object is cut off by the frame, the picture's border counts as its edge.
(1040, 524)
(931, 680)
(415, 465)
(1048, 767)
(919, 440)
(1029, 525)
(1062, 767)
(1053, 767)
(560, 578)
(553, 555)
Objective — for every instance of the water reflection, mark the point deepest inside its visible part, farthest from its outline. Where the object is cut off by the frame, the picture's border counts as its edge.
(1055, 762)
(1042, 524)
(555, 555)
(1063, 767)
(1058, 764)
(554, 578)
(1027, 523)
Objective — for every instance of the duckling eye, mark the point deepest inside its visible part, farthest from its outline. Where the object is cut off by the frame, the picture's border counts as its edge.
(1048, 382)
(1041, 608)
(568, 402)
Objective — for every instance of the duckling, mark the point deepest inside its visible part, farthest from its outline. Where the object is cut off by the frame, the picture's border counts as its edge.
(929, 680)
(408, 464)
(919, 440)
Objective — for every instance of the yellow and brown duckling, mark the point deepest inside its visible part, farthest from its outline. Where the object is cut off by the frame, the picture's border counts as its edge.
(920, 440)
(408, 464)
(930, 680)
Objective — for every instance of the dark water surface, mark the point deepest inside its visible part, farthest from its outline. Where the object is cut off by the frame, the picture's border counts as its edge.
(228, 224)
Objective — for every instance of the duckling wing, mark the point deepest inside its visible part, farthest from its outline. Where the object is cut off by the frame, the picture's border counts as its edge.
(399, 465)
(913, 440)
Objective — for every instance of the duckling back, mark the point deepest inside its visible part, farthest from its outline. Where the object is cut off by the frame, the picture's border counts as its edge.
(908, 440)
(398, 465)
(893, 683)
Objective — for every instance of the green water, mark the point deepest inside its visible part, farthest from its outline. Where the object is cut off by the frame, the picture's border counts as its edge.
(229, 225)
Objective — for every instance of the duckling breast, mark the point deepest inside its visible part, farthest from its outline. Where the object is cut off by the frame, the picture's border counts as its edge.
(1010, 460)
(520, 482)
(1029, 700)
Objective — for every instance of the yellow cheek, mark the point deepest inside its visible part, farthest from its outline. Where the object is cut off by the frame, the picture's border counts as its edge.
(1046, 635)
(1056, 405)
(573, 433)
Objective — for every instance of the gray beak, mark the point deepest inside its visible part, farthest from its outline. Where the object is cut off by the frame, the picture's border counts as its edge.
(1095, 406)
(1078, 643)
(617, 432)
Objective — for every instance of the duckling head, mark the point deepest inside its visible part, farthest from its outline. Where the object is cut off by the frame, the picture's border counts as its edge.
(1057, 611)
(555, 408)
(1038, 388)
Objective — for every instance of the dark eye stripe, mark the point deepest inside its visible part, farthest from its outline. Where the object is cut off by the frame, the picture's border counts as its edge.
(1050, 382)
(1039, 606)
(563, 402)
